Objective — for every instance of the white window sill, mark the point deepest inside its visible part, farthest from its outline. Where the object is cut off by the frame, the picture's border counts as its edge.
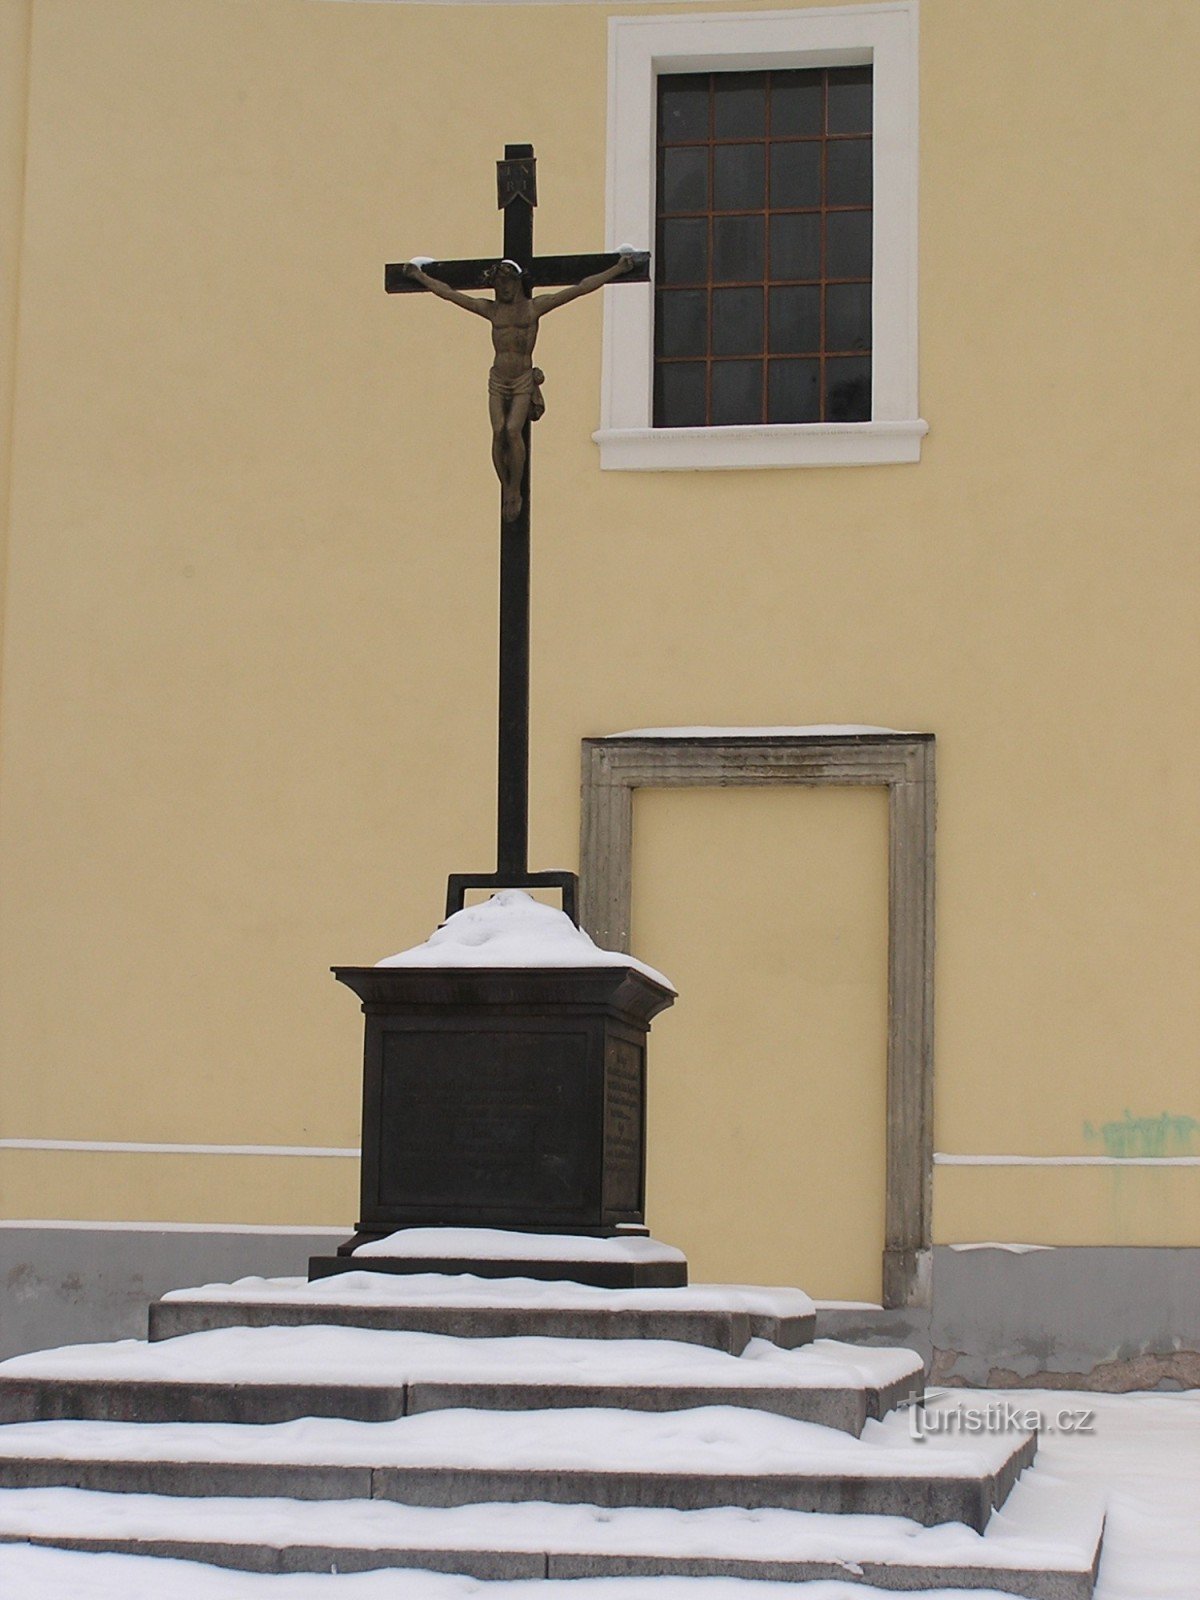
(810, 444)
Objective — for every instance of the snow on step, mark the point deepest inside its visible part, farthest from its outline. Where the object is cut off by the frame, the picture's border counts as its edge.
(306, 1371)
(725, 1316)
(426, 1288)
(1047, 1528)
(67, 1575)
(316, 1354)
(713, 1455)
(708, 1439)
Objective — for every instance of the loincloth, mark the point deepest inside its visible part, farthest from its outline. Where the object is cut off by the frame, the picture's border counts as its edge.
(528, 382)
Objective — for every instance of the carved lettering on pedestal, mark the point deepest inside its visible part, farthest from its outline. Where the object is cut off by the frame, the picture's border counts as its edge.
(623, 1100)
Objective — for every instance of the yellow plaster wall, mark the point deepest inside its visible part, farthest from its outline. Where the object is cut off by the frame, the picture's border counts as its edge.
(14, 88)
(108, 1186)
(247, 714)
(1127, 1204)
(768, 910)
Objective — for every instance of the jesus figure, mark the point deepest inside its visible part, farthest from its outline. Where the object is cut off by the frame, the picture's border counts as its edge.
(514, 394)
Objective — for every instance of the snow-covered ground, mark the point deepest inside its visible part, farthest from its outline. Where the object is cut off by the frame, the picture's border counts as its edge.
(1142, 1450)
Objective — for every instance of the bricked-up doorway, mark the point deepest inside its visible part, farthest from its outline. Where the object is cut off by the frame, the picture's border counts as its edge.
(901, 763)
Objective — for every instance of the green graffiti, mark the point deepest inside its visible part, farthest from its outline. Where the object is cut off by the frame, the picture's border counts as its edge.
(1164, 1135)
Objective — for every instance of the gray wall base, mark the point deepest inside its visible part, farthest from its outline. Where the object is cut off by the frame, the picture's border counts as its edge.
(71, 1285)
(1109, 1317)
(1104, 1317)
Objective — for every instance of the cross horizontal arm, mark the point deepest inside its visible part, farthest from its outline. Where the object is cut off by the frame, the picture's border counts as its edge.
(548, 271)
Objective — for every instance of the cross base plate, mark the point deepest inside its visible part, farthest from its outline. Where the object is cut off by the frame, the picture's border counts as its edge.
(567, 883)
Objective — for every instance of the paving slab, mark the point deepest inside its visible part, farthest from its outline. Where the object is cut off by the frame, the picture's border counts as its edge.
(56, 1399)
(488, 1565)
(148, 1400)
(1034, 1583)
(296, 1480)
(929, 1501)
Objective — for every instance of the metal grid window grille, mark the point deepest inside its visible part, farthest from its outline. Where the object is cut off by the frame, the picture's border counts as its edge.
(763, 275)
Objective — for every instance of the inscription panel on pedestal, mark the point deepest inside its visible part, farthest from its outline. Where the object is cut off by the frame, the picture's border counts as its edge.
(623, 1097)
(493, 1119)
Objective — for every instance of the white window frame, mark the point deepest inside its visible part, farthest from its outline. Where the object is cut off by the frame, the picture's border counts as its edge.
(643, 48)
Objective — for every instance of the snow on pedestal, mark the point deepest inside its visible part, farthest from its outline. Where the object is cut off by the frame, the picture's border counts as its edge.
(812, 730)
(499, 1244)
(512, 929)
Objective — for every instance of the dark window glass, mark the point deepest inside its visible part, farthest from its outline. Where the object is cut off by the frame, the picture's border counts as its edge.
(679, 399)
(796, 245)
(739, 177)
(684, 183)
(848, 172)
(795, 175)
(737, 249)
(848, 389)
(737, 322)
(849, 100)
(763, 267)
(848, 244)
(682, 322)
(793, 391)
(683, 108)
(736, 393)
(739, 105)
(795, 321)
(683, 252)
(797, 104)
(847, 316)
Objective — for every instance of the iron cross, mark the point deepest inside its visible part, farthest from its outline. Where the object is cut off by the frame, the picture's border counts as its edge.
(514, 402)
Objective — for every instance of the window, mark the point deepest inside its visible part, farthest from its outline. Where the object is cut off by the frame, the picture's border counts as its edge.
(763, 248)
(769, 159)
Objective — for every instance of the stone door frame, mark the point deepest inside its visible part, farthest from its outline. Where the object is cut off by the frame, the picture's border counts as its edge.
(903, 764)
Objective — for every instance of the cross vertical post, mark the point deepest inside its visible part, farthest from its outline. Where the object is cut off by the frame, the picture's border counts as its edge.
(517, 196)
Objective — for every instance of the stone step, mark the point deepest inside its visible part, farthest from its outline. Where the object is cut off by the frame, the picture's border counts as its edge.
(266, 1375)
(709, 1456)
(1045, 1547)
(724, 1317)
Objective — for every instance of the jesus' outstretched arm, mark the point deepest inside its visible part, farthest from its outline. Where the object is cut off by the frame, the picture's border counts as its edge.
(469, 302)
(550, 302)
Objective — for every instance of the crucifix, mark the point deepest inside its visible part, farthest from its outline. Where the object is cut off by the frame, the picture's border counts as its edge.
(514, 403)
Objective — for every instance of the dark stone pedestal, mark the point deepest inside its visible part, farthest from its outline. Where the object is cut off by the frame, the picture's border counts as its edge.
(600, 1274)
(504, 1097)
